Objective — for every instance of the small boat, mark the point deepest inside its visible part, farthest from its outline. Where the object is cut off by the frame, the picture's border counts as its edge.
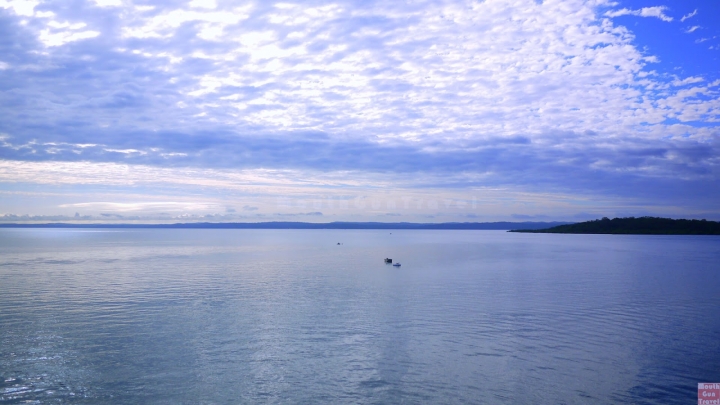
(396, 265)
(388, 260)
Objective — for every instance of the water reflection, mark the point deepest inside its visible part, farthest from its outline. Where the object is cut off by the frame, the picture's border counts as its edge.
(219, 316)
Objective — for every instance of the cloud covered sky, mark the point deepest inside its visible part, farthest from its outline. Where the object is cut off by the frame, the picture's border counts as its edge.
(358, 110)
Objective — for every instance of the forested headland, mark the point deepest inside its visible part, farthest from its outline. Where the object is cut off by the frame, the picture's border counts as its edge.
(637, 226)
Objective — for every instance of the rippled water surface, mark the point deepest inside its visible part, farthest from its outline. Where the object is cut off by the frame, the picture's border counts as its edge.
(289, 316)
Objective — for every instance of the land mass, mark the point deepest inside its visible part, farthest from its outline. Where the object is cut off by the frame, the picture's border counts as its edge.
(636, 226)
(304, 225)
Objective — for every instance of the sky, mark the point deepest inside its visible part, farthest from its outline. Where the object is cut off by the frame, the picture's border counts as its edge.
(319, 111)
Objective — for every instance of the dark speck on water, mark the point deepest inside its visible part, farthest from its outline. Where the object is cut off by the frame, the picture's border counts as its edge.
(158, 316)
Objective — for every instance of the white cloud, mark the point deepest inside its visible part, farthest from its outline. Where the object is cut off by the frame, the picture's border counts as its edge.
(76, 26)
(657, 12)
(169, 206)
(686, 81)
(20, 7)
(692, 29)
(125, 151)
(108, 3)
(132, 190)
(165, 25)
(452, 70)
(57, 38)
(210, 4)
(688, 16)
(55, 33)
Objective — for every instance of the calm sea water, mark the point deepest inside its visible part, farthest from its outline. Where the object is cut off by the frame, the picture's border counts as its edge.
(289, 316)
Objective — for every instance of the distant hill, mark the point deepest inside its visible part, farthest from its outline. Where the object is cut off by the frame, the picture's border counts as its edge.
(305, 225)
(638, 226)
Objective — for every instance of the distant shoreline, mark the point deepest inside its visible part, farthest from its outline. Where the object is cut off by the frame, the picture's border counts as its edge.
(503, 226)
(634, 226)
(616, 226)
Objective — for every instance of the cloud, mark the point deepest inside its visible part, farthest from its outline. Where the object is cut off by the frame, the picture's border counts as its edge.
(20, 7)
(657, 12)
(108, 3)
(302, 214)
(142, 206)
(62, 34)
(13, 218)
(692, 29)
(388, 74)
(292, 99)
(688, 80)
(124, 218)
(688, 16)
(625, 167)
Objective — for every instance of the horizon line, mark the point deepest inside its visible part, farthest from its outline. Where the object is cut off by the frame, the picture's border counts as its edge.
(496, 225)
